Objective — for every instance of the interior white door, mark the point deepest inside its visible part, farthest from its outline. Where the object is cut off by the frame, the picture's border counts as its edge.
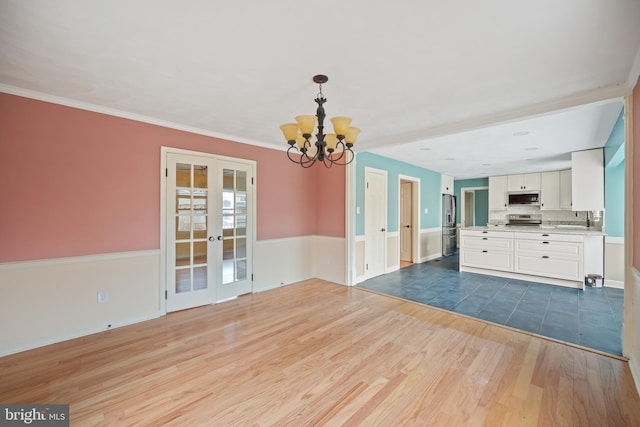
(406, 216)
(375, 222)
(191, 245)
(209, 230)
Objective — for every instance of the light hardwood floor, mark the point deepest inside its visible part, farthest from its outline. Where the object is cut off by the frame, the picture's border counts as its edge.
(317, 353)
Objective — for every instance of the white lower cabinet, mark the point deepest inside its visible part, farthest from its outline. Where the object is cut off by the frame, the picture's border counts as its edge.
(487, 249)
(487, 258)
(548, 266)
(560, 256)
(565, 257)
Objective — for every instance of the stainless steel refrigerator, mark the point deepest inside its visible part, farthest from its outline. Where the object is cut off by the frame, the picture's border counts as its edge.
(449, 229)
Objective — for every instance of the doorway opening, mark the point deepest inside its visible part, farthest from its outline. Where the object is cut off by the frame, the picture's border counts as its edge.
(474, 206)
(409, 220)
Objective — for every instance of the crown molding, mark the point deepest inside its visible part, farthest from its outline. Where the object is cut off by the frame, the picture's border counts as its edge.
(73, 103)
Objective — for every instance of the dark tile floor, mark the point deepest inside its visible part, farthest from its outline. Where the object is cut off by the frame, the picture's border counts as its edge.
(591, 318)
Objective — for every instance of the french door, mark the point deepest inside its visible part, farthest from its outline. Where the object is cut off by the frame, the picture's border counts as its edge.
(209, 229)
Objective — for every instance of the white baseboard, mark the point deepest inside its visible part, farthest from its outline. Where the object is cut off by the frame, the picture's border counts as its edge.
(76, 334)
(618, 284)
(518, 276)
(430, 257)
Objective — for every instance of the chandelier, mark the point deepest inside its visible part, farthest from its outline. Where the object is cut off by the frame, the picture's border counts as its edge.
(330, 149)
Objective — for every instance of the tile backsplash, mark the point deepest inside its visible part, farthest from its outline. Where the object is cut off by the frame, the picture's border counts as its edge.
(559, 217)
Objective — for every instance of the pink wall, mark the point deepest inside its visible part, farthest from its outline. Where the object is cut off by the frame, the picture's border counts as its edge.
(636, 174)
(76, 182)
(331, 193)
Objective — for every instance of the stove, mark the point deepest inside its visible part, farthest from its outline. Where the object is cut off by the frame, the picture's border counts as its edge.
(524, 220)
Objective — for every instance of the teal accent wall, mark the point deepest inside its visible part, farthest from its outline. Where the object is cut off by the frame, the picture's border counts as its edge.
(482, 207)
(614, 148)
(614, 200)
(614, 180)
(429, 190)
(482, 198)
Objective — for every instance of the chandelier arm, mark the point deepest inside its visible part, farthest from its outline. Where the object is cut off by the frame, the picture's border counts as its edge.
(328, 163)
(341, 152)
(301, 159)
(352, 156)
(309, 163)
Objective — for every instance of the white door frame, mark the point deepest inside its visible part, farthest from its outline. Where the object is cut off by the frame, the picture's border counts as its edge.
(163, 213)
(415, 215)
(462, 198)
(350, 202)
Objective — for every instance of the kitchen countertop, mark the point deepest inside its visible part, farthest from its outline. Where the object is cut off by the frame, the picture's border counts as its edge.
(538, 229)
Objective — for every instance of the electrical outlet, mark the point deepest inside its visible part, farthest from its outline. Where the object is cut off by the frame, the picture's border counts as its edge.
(103, 296)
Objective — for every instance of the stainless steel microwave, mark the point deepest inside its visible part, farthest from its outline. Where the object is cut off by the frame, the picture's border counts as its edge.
(530, 198)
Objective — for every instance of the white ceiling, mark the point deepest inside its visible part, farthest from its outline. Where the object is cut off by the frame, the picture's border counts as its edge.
(409, 72)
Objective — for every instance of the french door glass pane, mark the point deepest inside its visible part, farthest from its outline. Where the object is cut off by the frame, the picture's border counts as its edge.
(200, 278)
(183, 227)
(183, 254)
(228, 272)
(241, 270)
(183, 175)
(241, 178)
(183, 280)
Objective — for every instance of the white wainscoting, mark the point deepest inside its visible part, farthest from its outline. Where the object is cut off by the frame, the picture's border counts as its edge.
(393, 252)
(614, 262)
(48, 301)
(359, 258)
(430, 243)
(280, 262)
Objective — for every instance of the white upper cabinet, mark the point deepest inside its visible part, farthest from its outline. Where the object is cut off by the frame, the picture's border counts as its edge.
(587, 180)
(497, 193)
(446, 184)
(524, 182)
(550, 190)
(565, 189)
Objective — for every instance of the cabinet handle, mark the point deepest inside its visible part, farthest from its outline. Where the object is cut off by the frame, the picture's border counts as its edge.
(545, 243)
(545, 235)
(484, 252)
(545, 256)
(485, 238)
(484, 232)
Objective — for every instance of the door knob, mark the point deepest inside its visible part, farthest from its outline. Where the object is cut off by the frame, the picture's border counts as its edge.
(211, 238)
(219, 237)
(407, 226)
(383, 229)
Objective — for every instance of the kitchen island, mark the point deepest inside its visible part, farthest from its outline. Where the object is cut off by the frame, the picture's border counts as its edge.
(555, 255)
